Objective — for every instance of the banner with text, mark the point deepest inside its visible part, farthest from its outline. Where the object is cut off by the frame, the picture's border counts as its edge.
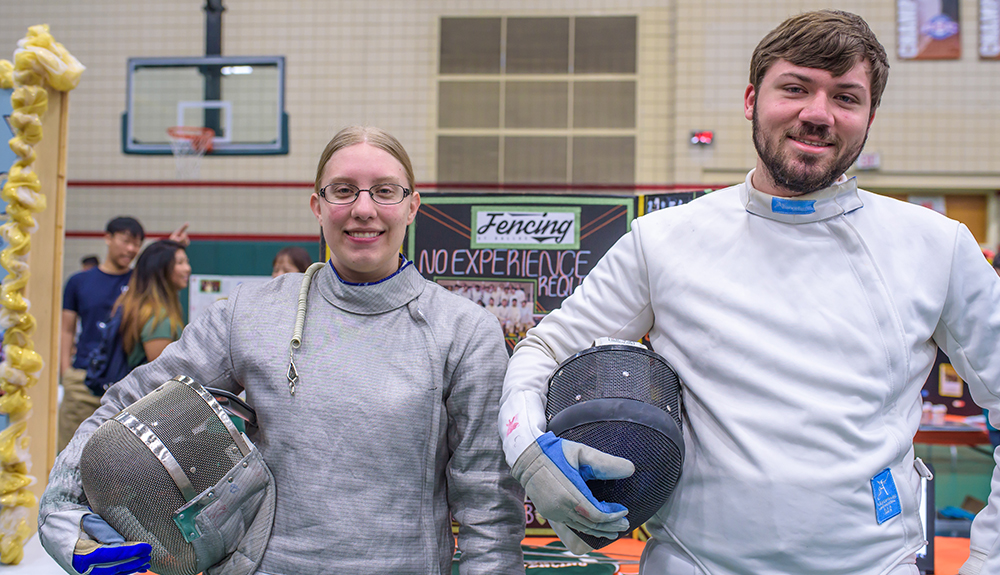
(516, 256)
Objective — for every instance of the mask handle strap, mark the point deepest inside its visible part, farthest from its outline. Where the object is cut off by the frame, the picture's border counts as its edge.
(292, 374)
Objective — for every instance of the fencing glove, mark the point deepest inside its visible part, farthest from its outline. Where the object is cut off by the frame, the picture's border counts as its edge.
(103, 551)
(554, 472)
(570, 539)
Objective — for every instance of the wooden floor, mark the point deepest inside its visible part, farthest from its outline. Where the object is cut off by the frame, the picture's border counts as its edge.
(950, 553)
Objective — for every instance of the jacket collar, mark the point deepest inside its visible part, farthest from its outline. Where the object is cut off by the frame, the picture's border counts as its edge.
(838, 199)
(385, 295)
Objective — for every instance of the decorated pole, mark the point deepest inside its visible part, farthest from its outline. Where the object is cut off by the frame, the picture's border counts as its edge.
(42, 72)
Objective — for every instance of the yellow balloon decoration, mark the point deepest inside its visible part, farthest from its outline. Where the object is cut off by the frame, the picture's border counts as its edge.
(38, 60)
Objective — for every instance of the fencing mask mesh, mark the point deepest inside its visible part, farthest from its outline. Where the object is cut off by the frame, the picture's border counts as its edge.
(173, 470)
(625, 400)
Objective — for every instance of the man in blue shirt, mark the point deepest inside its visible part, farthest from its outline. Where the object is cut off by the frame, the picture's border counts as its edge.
(89, 297)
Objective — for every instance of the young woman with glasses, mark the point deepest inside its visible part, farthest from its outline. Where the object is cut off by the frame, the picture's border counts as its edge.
(377, 419)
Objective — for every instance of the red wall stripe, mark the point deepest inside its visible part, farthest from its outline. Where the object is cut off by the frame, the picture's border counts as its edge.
(78, 234)
(443, 186)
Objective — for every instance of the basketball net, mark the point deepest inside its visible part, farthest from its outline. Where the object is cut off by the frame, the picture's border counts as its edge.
(189, 144)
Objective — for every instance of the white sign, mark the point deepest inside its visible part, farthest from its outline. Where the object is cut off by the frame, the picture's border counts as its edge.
(869, 161)
(908, 29)
(989, 29)
(204, 290)
(518, 226)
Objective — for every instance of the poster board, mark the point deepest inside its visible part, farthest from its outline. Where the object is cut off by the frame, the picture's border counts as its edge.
(945, 387)
(653, 202)
(928, 30)
(204, 290)
(530, 249)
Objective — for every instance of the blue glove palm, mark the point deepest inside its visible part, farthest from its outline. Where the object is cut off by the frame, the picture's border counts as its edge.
(107, 552)
(554, 473)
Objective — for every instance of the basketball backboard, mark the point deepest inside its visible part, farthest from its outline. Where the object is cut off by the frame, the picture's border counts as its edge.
(241, 98)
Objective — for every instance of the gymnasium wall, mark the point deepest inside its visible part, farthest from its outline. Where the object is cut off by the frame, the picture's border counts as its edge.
(376, 62)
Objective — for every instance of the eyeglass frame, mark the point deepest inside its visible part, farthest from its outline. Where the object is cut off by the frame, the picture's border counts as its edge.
(357, 193)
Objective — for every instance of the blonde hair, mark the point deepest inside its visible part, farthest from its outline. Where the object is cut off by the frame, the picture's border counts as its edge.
(829, 40)
(377, 137)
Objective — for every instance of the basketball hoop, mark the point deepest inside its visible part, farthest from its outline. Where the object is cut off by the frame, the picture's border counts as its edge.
(189, 144)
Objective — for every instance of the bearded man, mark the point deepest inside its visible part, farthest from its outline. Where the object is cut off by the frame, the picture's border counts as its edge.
(803, 316)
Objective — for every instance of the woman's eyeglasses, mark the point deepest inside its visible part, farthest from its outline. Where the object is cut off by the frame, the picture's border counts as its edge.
(382, 194)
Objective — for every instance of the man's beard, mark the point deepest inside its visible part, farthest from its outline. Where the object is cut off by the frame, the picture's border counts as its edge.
(803, 180)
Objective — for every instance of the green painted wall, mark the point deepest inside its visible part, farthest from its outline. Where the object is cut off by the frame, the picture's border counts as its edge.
(237, 258)
(958, 471)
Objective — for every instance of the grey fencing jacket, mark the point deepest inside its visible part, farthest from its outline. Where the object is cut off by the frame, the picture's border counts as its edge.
(390, 430)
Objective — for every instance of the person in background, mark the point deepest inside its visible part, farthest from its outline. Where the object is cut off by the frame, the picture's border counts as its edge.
(507, 316)
(526, 317)
(290, 260)
(382, 432)
(151, 308)
(802, 315)
(993, 431)
(88, 262)
(88, 298)
(492, 308)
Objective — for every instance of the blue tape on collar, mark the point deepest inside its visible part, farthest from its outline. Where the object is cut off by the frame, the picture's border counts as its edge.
(787, 206)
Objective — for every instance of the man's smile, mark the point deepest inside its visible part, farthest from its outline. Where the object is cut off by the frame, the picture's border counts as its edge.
(814, 143)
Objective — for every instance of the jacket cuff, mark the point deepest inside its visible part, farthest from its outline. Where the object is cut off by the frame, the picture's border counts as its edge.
(520, 422)
(58, 533)
(974, 564)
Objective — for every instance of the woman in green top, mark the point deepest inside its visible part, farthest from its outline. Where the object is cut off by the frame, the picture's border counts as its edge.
(151, 308)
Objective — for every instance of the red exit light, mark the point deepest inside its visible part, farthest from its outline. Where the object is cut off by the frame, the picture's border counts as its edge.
(702, 138)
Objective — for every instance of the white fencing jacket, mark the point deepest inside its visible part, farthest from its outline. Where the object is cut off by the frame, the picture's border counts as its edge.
(803, 331)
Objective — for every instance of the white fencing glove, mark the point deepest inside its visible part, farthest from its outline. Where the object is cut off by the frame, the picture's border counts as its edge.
(554, 472)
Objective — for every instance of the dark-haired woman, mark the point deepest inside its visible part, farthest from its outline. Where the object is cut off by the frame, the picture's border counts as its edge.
(151, 307)
(290, 260)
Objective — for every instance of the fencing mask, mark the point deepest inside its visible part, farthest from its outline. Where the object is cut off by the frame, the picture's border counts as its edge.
(174, 471)
(622, 399)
